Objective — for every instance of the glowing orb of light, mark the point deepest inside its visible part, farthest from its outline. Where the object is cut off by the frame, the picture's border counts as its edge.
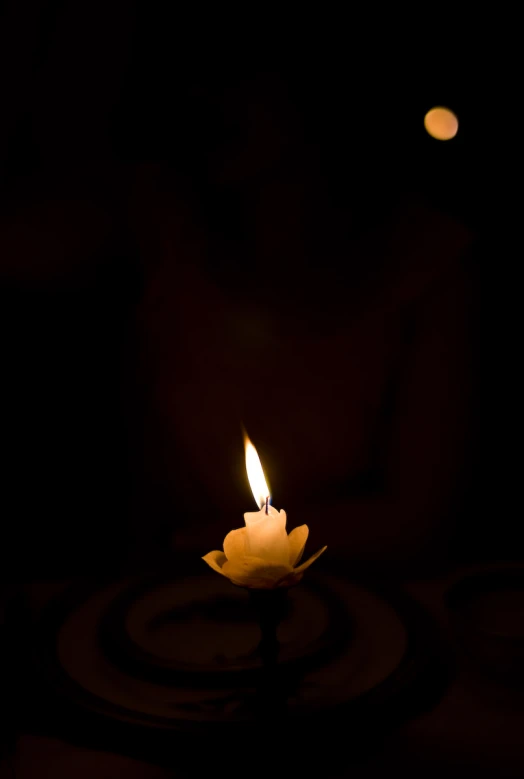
(441, 123)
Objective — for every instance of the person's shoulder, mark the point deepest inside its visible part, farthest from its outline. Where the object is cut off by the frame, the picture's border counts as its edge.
(430, 227)
(424, 245)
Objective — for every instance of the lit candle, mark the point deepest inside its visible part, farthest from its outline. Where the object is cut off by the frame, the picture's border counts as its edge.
(262, 555)
(266, 535)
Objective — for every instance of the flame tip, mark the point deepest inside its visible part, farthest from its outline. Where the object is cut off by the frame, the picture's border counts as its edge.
(255, 474)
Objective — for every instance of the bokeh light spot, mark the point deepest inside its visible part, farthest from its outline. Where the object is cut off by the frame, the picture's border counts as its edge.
(441, 123)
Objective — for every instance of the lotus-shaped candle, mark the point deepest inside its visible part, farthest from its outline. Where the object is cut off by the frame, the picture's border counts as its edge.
(262, 555)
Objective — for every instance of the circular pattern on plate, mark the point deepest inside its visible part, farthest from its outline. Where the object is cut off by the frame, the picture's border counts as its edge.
(345, 648)
(199, 631)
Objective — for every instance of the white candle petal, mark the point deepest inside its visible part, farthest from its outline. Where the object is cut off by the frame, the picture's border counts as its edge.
(216, 561)
(235, 544)
(311, 560)
(255, 572)
(297, 541)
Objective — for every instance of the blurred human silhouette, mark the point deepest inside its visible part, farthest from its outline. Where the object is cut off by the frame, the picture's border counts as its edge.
(256, 281)
(338, 334)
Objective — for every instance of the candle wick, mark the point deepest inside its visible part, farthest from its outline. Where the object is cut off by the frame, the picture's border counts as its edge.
(267, 505)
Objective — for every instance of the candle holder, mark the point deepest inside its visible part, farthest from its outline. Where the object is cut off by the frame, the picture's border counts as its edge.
(270, 607)
(264, 558)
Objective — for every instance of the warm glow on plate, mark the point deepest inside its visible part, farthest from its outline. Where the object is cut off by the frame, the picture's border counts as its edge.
(441, 123)
(255, 474)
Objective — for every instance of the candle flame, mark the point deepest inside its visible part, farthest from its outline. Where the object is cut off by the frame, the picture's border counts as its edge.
(255, 474)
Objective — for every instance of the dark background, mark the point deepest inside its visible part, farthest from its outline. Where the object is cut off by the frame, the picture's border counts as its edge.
(93, 91)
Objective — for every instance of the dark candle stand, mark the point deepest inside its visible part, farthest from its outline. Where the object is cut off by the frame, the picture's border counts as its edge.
(270, 608)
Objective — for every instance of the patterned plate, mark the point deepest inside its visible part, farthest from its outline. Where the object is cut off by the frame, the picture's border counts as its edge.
(178, 654)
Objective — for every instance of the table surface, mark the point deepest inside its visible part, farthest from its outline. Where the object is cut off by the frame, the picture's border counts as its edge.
(476, 729)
